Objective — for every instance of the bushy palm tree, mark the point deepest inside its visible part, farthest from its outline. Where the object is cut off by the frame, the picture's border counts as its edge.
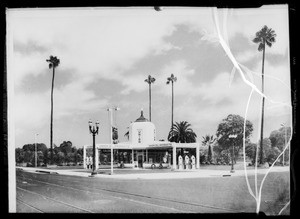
(115, 135)
(208, 140)
(266, 36)
(53, 63)
(150, 80)
(182, 132)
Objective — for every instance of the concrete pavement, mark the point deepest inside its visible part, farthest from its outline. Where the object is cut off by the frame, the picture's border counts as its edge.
(175, 174)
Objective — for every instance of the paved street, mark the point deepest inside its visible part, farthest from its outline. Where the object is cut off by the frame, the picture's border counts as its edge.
(42, 192)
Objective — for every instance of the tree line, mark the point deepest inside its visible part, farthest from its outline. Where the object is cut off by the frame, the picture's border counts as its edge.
(220, 148)
(227, 143)
(64, 154)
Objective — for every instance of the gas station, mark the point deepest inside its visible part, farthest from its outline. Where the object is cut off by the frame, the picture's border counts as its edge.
(142, 151)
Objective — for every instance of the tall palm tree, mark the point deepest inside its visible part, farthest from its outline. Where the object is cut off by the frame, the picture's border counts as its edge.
(208, 140)
(172, 79)
(150, 80)
(182, 132)
(264, 36)
(53, 63)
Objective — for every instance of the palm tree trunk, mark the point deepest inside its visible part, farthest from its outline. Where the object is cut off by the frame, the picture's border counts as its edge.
(262, 110)
(150, 101)
(51, 122)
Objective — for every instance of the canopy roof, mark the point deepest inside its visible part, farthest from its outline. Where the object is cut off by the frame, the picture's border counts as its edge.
(154, 145)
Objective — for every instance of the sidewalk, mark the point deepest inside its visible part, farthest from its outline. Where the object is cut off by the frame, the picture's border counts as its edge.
(176, 174)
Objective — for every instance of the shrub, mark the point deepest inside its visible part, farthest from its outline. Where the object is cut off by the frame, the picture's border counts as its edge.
(29, 165)
(223, 157)
(270, 153)
(203, 156)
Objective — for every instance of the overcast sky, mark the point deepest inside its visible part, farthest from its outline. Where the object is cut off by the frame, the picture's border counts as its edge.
(107, 53)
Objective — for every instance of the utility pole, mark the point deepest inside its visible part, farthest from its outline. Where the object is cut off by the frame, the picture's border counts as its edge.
(233, 136)
(110, 111)
(283, 125)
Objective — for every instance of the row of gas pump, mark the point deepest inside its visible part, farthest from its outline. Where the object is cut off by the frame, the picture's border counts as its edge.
(188, 163)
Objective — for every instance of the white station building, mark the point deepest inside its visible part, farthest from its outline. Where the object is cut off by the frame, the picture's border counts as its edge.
(144, 151)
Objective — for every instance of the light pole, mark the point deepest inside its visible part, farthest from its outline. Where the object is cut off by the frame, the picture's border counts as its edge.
(283, 125)
(233, 136)
(94, 131)
(110, 111)
(35, 149)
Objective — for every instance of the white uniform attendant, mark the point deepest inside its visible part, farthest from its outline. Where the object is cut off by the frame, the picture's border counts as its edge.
(180, 162)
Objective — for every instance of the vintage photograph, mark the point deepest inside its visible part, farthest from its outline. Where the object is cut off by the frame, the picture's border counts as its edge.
(149, 110)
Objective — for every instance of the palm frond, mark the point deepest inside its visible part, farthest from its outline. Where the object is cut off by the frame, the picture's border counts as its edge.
(181, 132)
(260, 47)
(268, 43)
(256, 40)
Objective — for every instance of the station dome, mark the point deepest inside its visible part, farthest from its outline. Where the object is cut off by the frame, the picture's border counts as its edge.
(142, 131)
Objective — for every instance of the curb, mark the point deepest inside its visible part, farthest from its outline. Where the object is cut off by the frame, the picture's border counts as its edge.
(43, 171)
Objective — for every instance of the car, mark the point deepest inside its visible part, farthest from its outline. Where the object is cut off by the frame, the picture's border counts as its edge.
(29, 165)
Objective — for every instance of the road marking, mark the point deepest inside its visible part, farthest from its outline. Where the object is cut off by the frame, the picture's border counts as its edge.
(144, 196)
(163, 199)
(55, 200)
(29, 206)
(128, 199)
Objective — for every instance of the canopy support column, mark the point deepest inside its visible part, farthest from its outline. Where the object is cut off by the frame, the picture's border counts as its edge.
(198, 156)
(174, 157)
(111, 160)
(84, 157)
(132, 158)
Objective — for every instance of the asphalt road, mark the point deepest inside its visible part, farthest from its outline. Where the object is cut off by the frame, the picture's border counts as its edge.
(38, 192)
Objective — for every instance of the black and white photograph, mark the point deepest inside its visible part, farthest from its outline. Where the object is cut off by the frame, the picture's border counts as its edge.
(149, 109)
